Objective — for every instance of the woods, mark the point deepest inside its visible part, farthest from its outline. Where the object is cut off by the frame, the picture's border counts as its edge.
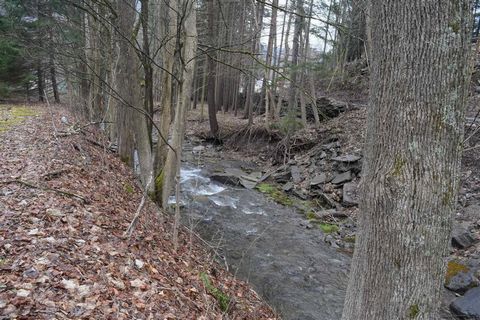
(340, 135)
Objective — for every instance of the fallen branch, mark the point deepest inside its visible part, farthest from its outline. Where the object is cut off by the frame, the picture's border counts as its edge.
(33, 186)
(130, 228)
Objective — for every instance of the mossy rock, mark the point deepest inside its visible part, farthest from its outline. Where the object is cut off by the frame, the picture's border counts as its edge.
(275, 193)
(328, 227)
(453, 269)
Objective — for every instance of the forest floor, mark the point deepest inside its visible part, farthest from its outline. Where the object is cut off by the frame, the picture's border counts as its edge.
(65, 204)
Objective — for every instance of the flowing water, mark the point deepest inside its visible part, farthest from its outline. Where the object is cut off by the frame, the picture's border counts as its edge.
(266, 244)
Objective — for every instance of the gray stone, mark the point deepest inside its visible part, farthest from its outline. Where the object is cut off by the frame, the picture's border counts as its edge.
(287, 186)
(468, 306)
(319, 179)
(350, 194)
(282, 177)
(295, 172)
(462, 281)
(343, 177)
(226, 178)
(248, 184)
(325, 202)
(462, 238)
(198, 149)
(331, 145)
(300, 194)
(347, 158)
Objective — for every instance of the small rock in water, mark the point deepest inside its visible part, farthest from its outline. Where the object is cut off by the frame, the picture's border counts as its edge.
(468, 306)
(226, 178)
(198, 149)
(343, 177)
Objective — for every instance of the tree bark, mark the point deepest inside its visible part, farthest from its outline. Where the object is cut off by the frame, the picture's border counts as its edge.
(212, 108)
(411, 173)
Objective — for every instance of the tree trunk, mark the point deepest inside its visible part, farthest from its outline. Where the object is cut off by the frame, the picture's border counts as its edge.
(212, 108)
(40, 84)
(187, 47)
(411, 173)
(292, 99)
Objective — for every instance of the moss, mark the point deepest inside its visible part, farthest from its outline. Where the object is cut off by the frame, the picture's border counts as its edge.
(159, 186)
(14, 115)
(275, 193)
(128, 188)
(349, 239)
(454, 25)
(448, 196)
(413, 311)
(397, 166)
(328, 227)
(454, 268)
(222, 299)
(311, 215)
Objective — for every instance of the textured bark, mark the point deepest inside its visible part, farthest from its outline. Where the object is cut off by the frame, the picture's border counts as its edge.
(292, 96)
(40, 84)
(187, 47)
(419, 82)
(166, 98)
(212, 108)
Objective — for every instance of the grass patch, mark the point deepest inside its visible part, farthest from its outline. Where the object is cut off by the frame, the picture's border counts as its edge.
(222, 299)
(328, 227)
(275, 193)
(13, 115)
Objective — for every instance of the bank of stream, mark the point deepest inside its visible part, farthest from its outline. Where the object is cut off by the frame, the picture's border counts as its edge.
(265, 243)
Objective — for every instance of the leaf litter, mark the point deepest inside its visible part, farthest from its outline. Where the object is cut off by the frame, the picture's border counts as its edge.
(64, 258)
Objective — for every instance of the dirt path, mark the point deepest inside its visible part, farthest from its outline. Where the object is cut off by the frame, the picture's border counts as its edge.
(65, 204)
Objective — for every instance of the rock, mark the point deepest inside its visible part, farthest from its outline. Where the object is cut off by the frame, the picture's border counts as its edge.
(347, 158)
(462, 238)
(324, 201)
(471, 213)
(295, 172)
(477, 89)
(468, 306)
(319, 179)
(54, 212)
(460, 276)
(331, 145)
(343, 177)
(198, 149)
(300, 194)
(287, 186)
(348, 162)
(350, 194)
(248, 184)
(23, 293)
(329, 107)
(226, 178)
(282, 176)
(139, 263)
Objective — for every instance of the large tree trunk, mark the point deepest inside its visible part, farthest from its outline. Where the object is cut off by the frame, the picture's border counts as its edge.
(412, 158)
(187, 47)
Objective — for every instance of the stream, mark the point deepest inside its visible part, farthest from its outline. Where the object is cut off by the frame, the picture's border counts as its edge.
(264, 243)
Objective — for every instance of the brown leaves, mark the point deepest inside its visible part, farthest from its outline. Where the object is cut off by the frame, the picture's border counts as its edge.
(66, 259)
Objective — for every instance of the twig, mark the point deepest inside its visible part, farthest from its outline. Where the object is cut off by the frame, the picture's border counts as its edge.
(31, 185)
(130, 228)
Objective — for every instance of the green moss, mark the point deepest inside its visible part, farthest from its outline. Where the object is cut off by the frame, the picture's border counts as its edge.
(328, 227)
(397, 166)
(413, 311)
(275, 193)
(128, 188)
(454, 25)
(454, 268)
(222, 298)
(349, 239)
(311, 215)
(159, 186)
(13, 115)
